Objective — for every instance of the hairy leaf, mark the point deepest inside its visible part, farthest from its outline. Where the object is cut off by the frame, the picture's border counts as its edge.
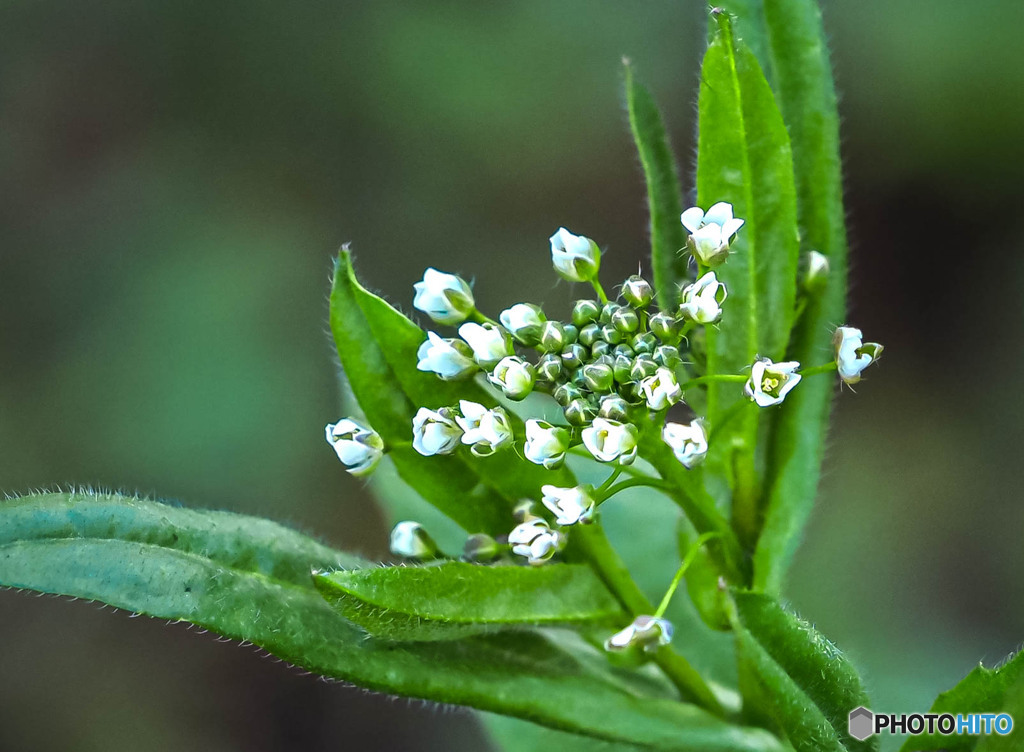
(455, 599)
(796, 678)
(240, 577)
(664, 195)
(377, 346)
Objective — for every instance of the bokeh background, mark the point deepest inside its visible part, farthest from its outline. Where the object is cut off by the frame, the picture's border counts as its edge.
(175, 177)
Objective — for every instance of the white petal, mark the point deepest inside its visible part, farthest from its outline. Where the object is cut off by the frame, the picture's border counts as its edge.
(692, 218)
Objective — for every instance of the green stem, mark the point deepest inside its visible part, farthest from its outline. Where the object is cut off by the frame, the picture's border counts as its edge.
(716, 377)
(596, 284)
(612, 571)
(827, 368)
(687, 561)
(600, 492)
(482, 319)
(633, 483)
(581, 451)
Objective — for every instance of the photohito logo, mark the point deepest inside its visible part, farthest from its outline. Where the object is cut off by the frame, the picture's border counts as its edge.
(863, 723)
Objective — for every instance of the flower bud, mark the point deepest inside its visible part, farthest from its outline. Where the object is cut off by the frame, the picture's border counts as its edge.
(358, 448)
(552, 337)
(585, 312)
(580, 412)
(571, 333)
(611, 441)
(607, 310)
(637, 291)
(524, 321)
(446, 298)
(712, 233)
(668, 356)
(435, 431)
(611, 335)
(644, 366)
(575, 257)
(661, 390)
(411, 541)
(665, 327)
(566, 393)
(570, 506)
(702, 301)
(614, 407)
(549, 368)
(598, 377)
(816, 272)
(644, 343)
(623, 349)
(647, 632)
(600, 348)
(480, 548)
(769, 382)
(632, 393)
(490, 343)
(535, 540)
(573, 356)
(626, 320)
(622, 369)
(486, 431)
(590, 333)
(852, 354)
(514, 376)
(546, 444)
(688, 443)
(451, 359)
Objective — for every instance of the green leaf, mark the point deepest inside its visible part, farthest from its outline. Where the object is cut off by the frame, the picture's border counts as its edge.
(795, 678)
(455, 599)
(377, 347)
(744, 158)
(242, 578)
(983, 690)
(513, 735)
(664, 195)
(807, 98)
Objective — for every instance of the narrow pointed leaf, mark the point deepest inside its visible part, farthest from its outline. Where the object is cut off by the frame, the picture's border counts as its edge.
(228, 573)
(983, 690)
(455, 599)
(795, 677)
(664, 195)
(377, 346)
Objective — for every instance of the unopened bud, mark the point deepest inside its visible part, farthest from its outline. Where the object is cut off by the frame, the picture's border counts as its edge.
(665, 327)
(580, 412)
(614, 407)
(643, 367)
(816, 272)
(480, 549)
(549, 368)
(411, 541)
(668, 356)
(598, 377)
(566, 393)
(637, 291)
(573, 356)
(585, 311)
(552, 337)
(626, 320)
(644, 343)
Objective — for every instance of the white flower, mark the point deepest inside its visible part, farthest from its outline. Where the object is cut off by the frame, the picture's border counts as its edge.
(611, 441)
(852, 354)
(535, 540)
(688, 443)
(546, 444)
(486, 430)
(817, 271)
(769, 383)
(648, 632)
(448, 358)
(575, 257)
(661, 390)
(410, 540)
(524, 321)
(435, 431)
(710, 233)
(702, 301)
(490, 343)
(569, 505)
(446, 298)
(358, 448)
(514, 376)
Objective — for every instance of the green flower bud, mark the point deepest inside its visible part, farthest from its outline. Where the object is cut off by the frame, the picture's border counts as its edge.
(623, 349)
(816, 271)
(411, 541)
(590, 333)
(549, 368)
(668, 356)
(633, 393)
(600, 348)
(622, 368)
(666, 327)
(626, 320)
(614, 407)
(607, 310)
(480, 549)
(598, 377)
(643, 366)
(571, 332)
(607, 360)
(637, 291)
(580, 412)
(585, 311)
(573, 356)
(644, 343)
(552, 337)
(611, 335)
(566, 393)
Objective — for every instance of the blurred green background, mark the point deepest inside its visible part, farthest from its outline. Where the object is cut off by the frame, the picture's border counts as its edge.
(175, 177)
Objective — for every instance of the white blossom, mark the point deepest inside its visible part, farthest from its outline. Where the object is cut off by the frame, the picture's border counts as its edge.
(448, 358)
(575, 257)
(711, 233)
(546, 444)
(611, 441)
(769, 382)
(435, 431)
(702, 300)
(446, 298)
(662, 390)
(524, 321)
(490, 343)
(485, 430)
(358, 448)
(410, 540)
(569, 505)
(514, 376)
(535, 540)
(689, 443)
(648, 632)
(852, 354)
